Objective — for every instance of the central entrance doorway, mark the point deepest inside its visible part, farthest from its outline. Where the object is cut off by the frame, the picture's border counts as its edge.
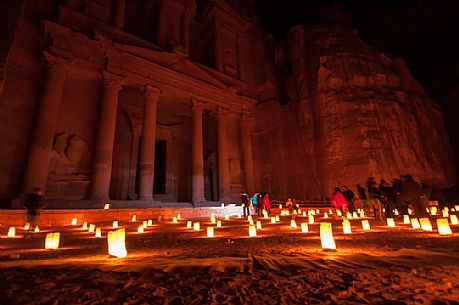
(159, 182)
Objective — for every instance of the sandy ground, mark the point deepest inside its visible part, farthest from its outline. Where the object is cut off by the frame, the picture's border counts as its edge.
(170, 264)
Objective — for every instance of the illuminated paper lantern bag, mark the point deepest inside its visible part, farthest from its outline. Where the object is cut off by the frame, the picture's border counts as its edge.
(326, 236)
(116, 243)
(52, 240)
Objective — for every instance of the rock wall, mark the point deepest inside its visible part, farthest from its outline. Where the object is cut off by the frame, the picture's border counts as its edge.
(359, 113)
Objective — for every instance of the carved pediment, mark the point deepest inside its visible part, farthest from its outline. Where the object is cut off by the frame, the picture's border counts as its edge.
(174, 62)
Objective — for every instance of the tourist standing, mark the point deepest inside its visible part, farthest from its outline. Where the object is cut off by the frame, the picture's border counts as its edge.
(245, 203)
(349, 196)
(338, 200)
(254, 201)
(411, 192)
(33, 204)
(266, 203)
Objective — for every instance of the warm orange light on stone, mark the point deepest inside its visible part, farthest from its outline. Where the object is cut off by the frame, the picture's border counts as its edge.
(239, 215)
(210, 232)
(443, 226)
(347, 226)
(52, 240)
(326, 236)
(304, 227)
(116, 243)
(12, 232)
(366, 225)
(425, 224)
(252, 231)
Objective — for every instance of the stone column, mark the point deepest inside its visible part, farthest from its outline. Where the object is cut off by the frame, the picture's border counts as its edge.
(147, 150)
(223, 162)
(36, 172)
(197, 187)
(246, 142)
(118, 14)
(102, 166)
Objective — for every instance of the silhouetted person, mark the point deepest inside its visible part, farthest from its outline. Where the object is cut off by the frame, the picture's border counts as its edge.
(245, 203)
(412, 194)
(260, 204)
(266, 203)
(373, 198)
(384, 191)
(33, 204)
(362, 196)
(349, 196)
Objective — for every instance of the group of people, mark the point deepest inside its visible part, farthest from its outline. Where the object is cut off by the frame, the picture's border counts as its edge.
(383, 199)
(258, 202)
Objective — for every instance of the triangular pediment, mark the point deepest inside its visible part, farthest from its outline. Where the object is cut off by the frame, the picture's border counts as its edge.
(174, 62)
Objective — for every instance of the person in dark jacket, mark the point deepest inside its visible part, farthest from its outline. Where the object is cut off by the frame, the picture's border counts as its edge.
(349, 196)
(33, 204)
(362, 196)
(412, 193)
(260, 204)
(245, 203)
(384, 191)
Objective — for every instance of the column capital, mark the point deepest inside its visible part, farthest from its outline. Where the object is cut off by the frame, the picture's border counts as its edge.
(150, 91)
(112, 80)
(55, 63)
(196, 105)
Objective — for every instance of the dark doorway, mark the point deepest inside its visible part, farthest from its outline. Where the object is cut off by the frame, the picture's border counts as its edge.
(159, 184)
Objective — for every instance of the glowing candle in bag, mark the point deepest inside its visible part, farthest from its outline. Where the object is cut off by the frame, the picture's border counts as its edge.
(98, 233)
(338, 212)
(210, 231)
(52, 241)
(326, 236)
(293, 223)
(249, 218)
(390, 222)
(304, 227)
(433, 211)
(251, 222)
(134, 218)
(85, 225)
(144, 224)
(212, 218)
(150, 223)
(12, 232)
(74, 222)
(189, 224)
(406, 219)
(227, 217)
(415, 223)
(252, 231)
(273, 219)
(179, 216)
(347, 227)
(258, 225)
(27, 226)
(396, 212)
(115, 224)
(425, 224)
(219, 223)
(311, 219)
(349, 215)
(37, 229)
(354, 215)
(92, 228)
(106, 206)
(454, 220)
(445, 213)
(325, 215)
(277, 218)
(116, 243)
(443, 226)
(366, 225)
(196, 226)
(174, 219)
